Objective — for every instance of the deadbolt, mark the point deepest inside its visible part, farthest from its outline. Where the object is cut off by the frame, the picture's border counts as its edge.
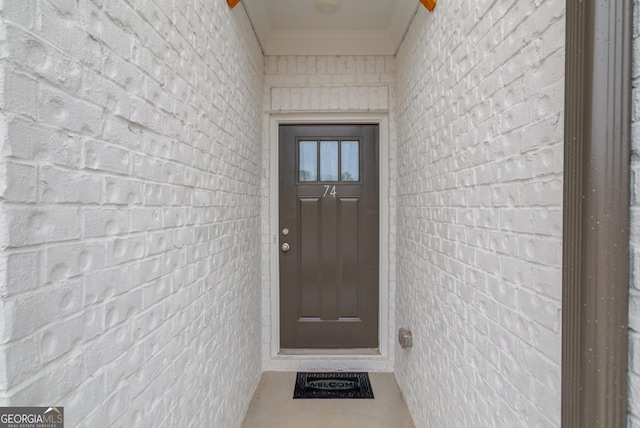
(285, 247)
(285, 231)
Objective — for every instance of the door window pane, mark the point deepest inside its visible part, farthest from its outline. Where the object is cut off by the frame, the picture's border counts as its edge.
(329, 161)
(350, 161)
(308, 161)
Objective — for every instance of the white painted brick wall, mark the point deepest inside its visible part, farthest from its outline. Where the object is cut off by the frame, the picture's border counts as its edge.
(320, 85)
(480, 149)
(634, 283)
(130, 210)
(328, 83)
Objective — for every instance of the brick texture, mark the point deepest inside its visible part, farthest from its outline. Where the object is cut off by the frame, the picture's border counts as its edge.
(328, 83)
(130, 210)
(480, 129)
(634, 287)
(134, 202)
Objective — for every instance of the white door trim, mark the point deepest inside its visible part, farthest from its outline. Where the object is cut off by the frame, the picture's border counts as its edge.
(348, 359)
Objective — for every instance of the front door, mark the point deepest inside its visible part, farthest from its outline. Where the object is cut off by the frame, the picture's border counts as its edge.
(328, 237)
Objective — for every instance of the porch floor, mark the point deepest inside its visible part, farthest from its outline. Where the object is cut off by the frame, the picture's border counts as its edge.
(273, 406)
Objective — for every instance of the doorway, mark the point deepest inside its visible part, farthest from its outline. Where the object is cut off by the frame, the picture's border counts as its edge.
(329, 236)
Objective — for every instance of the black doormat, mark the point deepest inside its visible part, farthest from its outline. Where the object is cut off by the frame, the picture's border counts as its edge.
(333, 385)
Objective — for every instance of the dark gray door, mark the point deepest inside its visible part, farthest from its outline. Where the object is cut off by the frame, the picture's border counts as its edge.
(329, 216)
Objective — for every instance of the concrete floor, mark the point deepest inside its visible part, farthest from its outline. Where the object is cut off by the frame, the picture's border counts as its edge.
(272, 406)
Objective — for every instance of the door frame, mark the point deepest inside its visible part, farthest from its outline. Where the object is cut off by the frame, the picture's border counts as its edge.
(382, 360)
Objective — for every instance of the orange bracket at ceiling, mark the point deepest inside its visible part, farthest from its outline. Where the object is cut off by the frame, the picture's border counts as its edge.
(429, 4)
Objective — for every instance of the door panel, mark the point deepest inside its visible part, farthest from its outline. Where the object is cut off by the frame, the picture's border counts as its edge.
(329, 206)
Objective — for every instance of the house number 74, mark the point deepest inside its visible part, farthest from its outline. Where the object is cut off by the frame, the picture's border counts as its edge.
(331, 193)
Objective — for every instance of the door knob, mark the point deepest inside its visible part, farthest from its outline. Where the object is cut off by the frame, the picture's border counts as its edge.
(285, 247)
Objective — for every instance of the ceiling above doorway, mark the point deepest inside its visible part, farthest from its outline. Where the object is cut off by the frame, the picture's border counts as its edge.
(358, 27)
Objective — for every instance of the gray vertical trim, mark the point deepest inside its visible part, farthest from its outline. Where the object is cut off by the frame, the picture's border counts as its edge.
(596, 213)
(572, 222)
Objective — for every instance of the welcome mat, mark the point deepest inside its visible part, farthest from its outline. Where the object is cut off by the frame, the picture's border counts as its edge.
(333, 385)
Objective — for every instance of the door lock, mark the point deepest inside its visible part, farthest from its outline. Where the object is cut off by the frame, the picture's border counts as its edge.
(285, 247)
